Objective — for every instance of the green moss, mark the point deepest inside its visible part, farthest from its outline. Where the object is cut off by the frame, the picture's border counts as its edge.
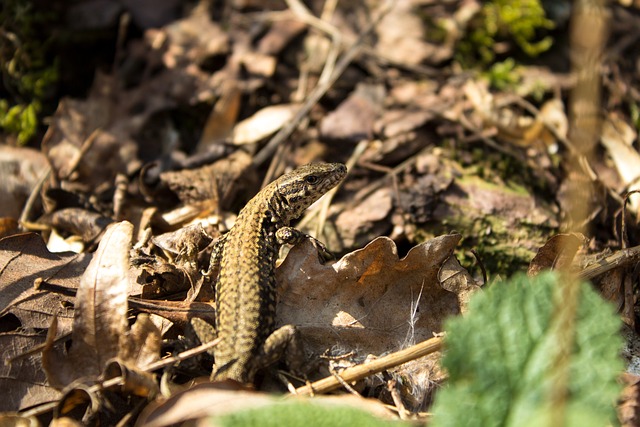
(28, 76)
(500, 21)
(503, 75)
(505, 244)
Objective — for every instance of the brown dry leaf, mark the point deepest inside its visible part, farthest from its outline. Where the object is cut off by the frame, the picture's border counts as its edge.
(217, 183)
(79, 222)
(354, 118)
(20, 170)
(280, 35)
(456, 279)
(618, 138)
(100, 328)
(401, 37)
(185, 242)
(370, 301)
(25, 258)
(77, 156)
(629, 404)
(400, 121)
(207, 400)
(192, 40)
(23, 382)
(259, 64)
(263, 123)
(363, 222)
(223, 116)
(8, 227)
(510, 124)
(142, 345)
(89, 142)
(557, 253)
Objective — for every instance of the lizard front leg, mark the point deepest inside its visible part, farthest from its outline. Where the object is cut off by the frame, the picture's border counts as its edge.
(292, 236)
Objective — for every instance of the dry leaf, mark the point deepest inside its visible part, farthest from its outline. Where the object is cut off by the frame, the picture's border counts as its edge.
(617, 138)
(557, 253)
(25, 258)
(23, 382)
(79, 222)
(100, 320)
(629, 405)
(280, 35)
(20, 170)
(401, 37)
(362, 223)
(354, 118)
(263, 123)
(370, 301)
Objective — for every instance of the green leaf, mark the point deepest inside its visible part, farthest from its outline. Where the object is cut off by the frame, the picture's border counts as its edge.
(501, 356)
(306, 414)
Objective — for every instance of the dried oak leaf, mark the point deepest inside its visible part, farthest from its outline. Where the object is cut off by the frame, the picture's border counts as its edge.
(354, 118)
(25, 258)
(23, 381)
(100, 327)
(370, 301)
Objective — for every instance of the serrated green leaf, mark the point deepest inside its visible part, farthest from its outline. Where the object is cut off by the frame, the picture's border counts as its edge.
(500, 358)
(306, 414)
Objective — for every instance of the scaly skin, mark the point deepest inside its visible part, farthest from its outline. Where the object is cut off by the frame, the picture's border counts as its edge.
(246, 287)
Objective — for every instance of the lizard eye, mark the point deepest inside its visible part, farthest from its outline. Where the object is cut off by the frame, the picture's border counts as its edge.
(311, 179)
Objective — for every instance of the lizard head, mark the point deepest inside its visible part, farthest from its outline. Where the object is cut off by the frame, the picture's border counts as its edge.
(301, 187)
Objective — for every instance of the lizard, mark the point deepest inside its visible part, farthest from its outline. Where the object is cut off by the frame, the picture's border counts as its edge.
(245, 292)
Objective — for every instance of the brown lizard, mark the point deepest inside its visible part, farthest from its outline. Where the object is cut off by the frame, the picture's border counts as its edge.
(246, 256)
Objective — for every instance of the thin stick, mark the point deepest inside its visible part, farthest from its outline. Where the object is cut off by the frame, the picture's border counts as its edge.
(370, 368)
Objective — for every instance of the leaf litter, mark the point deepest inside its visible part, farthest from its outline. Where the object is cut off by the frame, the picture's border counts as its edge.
(467, 179)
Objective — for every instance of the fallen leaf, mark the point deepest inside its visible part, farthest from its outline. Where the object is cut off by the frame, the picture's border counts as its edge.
(23, 381)
(263, 123)
(369, 301)
(354, 118)
(20, 170)
(617, 138)
(100, 319)
(401, 37)
(557, 253)
(24, 258)
(629, 405)
(361, 223)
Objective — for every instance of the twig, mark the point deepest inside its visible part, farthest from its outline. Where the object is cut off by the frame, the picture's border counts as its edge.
(35, 192)
(366, 369)
(618, 259)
